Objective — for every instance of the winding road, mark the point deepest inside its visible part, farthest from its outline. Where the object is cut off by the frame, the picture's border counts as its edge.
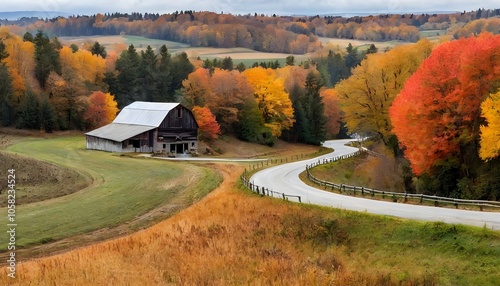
(285, 179)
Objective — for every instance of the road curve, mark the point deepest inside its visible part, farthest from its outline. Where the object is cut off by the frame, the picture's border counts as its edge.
(285, 179)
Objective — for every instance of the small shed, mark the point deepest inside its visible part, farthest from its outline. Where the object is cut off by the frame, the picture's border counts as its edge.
(157, 127)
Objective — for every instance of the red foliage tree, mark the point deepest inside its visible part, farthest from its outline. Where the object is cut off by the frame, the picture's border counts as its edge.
(209, 129)
(438, 111)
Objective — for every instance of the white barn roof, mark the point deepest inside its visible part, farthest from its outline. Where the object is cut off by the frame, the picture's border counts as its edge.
(144, 113)
(134, 119)
(119, 132)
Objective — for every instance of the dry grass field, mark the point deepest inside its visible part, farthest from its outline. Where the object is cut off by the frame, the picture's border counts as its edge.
(232, 237)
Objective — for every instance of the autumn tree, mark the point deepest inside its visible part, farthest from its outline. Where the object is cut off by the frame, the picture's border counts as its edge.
(196, 88)
(332, 111)
(102, 109)
(209, 129)
(271, 98)
(490, 133)
(367, 95)
(436, 117)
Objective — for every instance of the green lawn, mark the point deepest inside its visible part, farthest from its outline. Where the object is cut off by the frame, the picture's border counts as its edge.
(122, 188)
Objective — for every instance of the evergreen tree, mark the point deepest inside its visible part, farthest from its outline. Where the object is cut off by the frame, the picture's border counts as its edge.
(227, 64)
(3, 52)
(149, 75)
(372, 49)
(28, 37)
(97, 49)
(290, 60)
(181, 68)
(301, 125)
(310, 119)
(6, 91)
(241, 67)
(127, 86)
(29, 116)
(164, 78)
(48, 116)
(74, 48)
(46, 58)
(352, 59)
(315, 108)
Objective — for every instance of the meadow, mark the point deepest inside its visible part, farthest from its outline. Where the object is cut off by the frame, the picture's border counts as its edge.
(121, 191)
(234, 237)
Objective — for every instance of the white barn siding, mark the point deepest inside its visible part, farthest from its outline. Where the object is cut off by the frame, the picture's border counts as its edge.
(96, 143)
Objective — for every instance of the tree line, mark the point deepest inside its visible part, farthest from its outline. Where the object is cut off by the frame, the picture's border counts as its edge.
(284, 34)
(438, 107)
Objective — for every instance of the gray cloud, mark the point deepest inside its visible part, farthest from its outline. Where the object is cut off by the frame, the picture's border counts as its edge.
(279, 7)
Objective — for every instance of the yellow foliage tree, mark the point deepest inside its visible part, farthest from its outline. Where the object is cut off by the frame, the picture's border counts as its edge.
(367, 95)
(82, 65)
(20, 62)
(271, 98)
(490, 133)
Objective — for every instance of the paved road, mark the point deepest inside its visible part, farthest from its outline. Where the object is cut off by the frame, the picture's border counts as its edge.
(285, 179)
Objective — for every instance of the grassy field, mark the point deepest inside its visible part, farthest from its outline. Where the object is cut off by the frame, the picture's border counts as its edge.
(121, 189)
(234, 237)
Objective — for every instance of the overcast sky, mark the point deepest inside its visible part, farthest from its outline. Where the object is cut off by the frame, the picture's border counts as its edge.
(280, 7)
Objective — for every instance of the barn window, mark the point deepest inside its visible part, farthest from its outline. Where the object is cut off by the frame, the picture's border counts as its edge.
(179, 112)
(135, 143)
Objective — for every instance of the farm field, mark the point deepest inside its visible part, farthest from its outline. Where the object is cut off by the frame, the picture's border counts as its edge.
(244, 55)
(343, 43)
(121, 191)
(233, 236)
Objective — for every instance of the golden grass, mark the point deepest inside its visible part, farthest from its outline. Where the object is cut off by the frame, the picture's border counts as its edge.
(228, 238)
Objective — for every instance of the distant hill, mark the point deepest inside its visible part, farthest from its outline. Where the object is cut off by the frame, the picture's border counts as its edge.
(16, 15)
(349, 15)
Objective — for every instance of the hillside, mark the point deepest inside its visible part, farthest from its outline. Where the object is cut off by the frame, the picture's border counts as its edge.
(234, 237)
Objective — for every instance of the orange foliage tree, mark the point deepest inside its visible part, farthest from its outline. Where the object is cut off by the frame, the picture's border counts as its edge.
(209, 129)
(436, 116)
(102, 109)
(332, 111)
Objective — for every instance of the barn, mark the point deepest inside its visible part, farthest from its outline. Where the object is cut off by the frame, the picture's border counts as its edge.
(157, 127)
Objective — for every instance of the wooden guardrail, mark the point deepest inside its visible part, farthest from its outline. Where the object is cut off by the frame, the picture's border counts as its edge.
(267, 192)
(354, 190)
